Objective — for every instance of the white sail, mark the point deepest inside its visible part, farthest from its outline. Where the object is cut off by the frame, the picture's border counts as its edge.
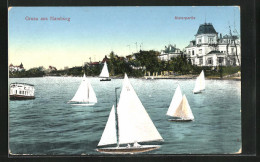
(104, 73)
(184, 111)
(200, 83)
(202, 80)
(176, 100)
(197, 85)
(134, 123)
(92, 95)
(109, 135)
(85, 92)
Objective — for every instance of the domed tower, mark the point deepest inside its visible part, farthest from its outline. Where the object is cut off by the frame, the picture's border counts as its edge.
(206, 34)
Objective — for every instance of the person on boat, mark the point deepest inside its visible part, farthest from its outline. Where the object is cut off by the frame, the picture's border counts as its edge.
(128, 145)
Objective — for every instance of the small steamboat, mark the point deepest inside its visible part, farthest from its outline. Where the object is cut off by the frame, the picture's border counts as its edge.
(21, 91)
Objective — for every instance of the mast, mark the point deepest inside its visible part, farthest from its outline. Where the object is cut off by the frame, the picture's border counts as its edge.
(116, 116)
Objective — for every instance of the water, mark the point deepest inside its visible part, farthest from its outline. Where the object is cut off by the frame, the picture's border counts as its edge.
(50, 126)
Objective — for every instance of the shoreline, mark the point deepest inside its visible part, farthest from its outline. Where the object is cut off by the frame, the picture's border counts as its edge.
(193, 77)
(154, 77)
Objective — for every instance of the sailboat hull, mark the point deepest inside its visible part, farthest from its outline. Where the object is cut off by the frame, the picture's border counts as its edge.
(197, 92)
(106, 79)
(81, 103)
(180, 120)
(128, 150)
(84, 104)
(21, 97)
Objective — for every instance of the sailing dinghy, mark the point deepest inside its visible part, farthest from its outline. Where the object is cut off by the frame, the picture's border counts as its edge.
(104, 73)
(179, 108)
(200, 83)
(85, 94)
(128, 124)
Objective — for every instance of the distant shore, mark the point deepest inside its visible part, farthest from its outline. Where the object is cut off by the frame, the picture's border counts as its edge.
(191, 77)
(238, 78)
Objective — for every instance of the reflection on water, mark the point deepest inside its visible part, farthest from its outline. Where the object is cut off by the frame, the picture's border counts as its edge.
(50, 126)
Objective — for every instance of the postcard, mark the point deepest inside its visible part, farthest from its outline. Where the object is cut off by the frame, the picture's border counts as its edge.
(124, 80)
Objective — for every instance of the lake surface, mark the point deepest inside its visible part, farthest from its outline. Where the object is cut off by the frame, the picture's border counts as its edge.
(48, 125)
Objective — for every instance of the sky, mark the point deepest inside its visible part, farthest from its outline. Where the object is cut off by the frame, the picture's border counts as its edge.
(94, 32)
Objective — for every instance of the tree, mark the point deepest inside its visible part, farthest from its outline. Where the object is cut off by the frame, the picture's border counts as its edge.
(149, 59)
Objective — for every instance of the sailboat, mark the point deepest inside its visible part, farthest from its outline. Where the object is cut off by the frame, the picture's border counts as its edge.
(128, 124)
(200, 83)
(85, 94)
(179, 108)
(104, 73)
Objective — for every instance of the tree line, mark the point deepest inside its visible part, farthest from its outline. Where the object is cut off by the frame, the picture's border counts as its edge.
(136, 65)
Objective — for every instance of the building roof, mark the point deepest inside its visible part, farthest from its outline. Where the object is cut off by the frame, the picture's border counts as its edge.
(206, 28)
(52, 68)
(120, 58)
(94, 63)
(192, 44)
(170, 54)
(230, 37)
(19, 66)
(215, 52)
(170, 49)
(105, 59)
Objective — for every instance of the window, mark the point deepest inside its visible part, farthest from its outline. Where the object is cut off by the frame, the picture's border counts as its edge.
(210, 40)
(210, 61)
(192, 52)
(200, 51)
(199, 41)
(220, 60)
(201, 61)
(232, 50)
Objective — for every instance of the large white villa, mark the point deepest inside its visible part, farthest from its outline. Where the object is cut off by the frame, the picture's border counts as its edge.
(210, 50)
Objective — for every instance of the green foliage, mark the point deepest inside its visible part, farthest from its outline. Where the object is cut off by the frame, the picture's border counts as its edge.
(219, 71)
(33, 72)
(149, 59)
(92, 70)
(197, 70)
(75, 71)
(117, 66)
(181, 65)
(230, 69)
